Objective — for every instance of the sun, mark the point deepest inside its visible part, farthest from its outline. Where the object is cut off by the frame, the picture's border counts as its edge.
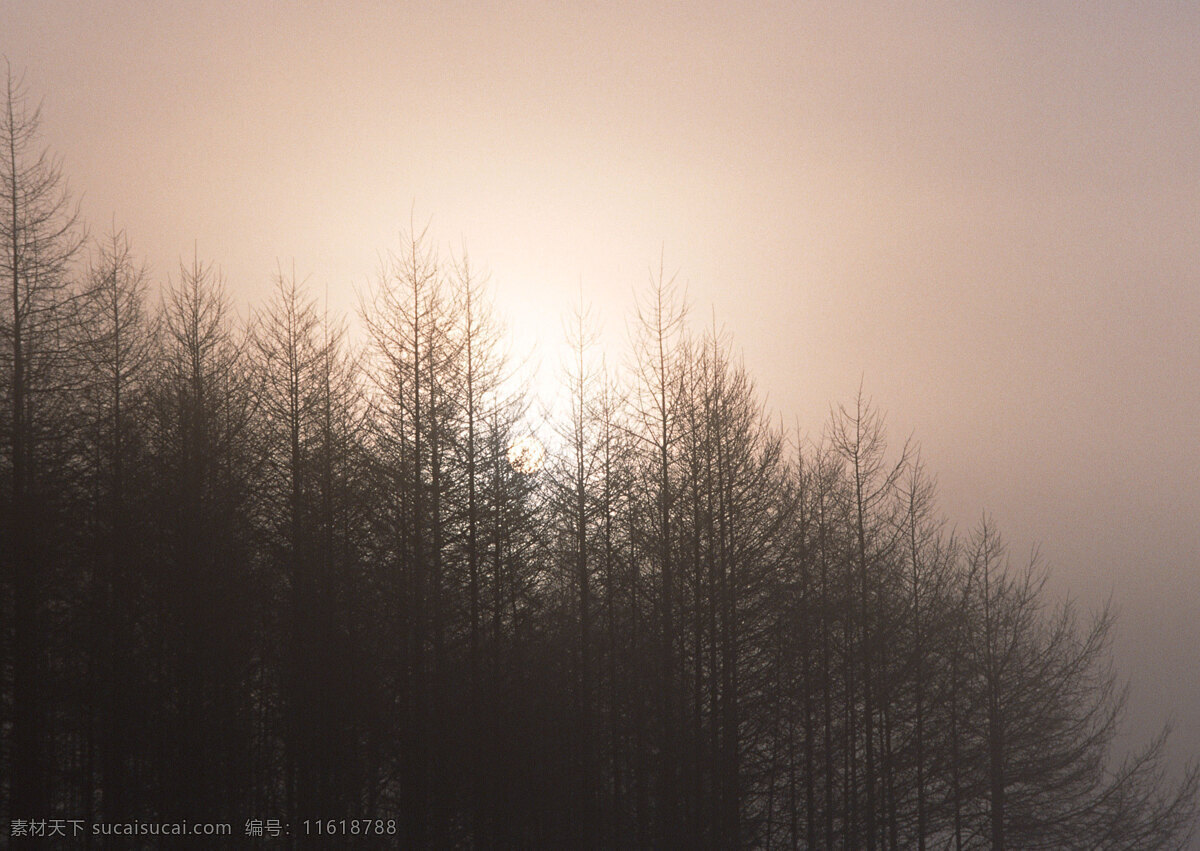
(526, 454)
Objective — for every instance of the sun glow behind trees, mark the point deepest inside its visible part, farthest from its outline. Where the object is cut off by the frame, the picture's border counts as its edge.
(326, 583)
(526, 454)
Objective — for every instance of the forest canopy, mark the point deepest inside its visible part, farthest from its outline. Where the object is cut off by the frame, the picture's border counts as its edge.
(309, 568)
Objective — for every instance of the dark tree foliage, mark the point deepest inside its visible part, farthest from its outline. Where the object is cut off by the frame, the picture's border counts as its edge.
(252, 570)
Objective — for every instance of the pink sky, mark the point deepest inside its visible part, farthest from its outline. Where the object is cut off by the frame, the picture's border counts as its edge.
(990, 213)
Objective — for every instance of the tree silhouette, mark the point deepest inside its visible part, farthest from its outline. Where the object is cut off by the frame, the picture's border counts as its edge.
(251, 570)
(118, 352)
(207, 457)
(40, 236)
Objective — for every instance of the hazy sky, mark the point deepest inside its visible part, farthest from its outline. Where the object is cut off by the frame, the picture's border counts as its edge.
(989, 213)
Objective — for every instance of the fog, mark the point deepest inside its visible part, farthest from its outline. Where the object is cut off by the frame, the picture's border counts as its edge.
(986, 214)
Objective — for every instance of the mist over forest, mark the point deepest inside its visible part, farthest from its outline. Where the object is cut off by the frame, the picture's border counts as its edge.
(347, 573)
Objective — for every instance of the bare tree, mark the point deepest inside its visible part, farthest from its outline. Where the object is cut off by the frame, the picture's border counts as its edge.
(859, 437)
(40, 236)
(1051, 708)
(291, 359)
(481, 372)
(208, 457)
(574, 499)
(657, 338)
(117, 352)
(916, 495)
(403, 318)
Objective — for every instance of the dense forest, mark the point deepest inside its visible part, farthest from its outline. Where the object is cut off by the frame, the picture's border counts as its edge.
(304, 567)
